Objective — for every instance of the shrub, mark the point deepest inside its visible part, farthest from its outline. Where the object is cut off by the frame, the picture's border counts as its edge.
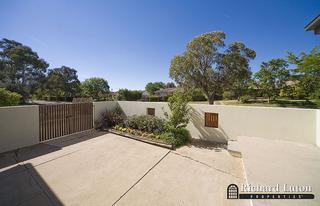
(227, 95)
(129, 95)
(316, 94)
(176, 137)
(245, 98)
(145, 123)
(179, 116)
(154, 98)
(112, 118)
(197, 95)
(8, 98)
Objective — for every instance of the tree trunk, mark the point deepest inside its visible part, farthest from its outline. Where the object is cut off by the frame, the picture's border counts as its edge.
(211, 99)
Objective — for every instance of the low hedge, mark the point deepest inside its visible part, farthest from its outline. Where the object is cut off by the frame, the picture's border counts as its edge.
(145, 123)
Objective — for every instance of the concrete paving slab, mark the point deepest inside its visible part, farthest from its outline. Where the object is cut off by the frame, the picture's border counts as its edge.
(185, 180)
(17, 188)
(8, 164)
(216, 157)
(50, 150)
(112, 169)
(40, 199)
(271, 162)
(99, 174)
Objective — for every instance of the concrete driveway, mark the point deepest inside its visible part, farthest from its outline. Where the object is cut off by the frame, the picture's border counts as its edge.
(106, 169)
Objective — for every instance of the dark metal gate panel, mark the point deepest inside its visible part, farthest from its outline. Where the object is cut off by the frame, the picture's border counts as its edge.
(63, 119)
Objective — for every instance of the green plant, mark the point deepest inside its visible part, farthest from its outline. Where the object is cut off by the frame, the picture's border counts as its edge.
(8, 98)
(176, 137)
(179, 116)
(129, 95)
(245, 98)
(197, 95)
(112, 118)
(154, 98)
(145, 123)
(227, 95)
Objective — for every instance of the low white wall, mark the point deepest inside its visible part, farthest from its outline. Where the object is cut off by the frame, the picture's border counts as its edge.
(298, 125)
(19, 127)
(101, 107)
(318, 128)
(131, 108)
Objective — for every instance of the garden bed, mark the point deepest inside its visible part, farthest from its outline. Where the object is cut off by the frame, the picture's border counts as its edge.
(143, 139)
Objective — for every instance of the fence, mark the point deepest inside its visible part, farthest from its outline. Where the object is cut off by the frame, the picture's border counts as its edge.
(63, 119)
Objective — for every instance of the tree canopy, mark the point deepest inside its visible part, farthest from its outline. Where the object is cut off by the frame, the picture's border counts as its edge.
(21, 69)
(62, 82)
(95, 87)
(129, 95)
(307, 71)
(235, 61)
(272, 77)
(151, 87)
(203, 66)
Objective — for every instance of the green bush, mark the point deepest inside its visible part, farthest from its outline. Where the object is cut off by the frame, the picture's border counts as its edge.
(316, 94)
(129, 95)
(8, 98)
(245, 98)
(176, 137)
(145, 123)
(227, 95)
(197, 95)
(154, 99)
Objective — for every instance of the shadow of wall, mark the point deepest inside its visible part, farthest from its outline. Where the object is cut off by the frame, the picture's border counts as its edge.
(23, 185)
(199, 131)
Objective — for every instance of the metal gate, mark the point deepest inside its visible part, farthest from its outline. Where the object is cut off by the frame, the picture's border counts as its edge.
(63, 119)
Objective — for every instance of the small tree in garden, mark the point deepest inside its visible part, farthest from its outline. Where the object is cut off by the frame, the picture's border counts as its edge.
(179, 116)
(8, 98)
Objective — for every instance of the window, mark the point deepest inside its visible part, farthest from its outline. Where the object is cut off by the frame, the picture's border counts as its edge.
(211, 119)
(151, 111)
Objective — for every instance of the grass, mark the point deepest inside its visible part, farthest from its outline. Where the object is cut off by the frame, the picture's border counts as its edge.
(312, 104)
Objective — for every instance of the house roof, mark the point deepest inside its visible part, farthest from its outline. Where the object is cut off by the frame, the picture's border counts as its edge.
(145, 93)
(314, 24)
(167, 90)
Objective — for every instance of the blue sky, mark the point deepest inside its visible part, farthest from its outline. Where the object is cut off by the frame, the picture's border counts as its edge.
(130, 43)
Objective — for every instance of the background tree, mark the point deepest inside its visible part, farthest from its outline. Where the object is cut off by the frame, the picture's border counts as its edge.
(235, 60)
(170, 85)
(95, 87)
(21, 69)
(196, 94)
(272, 77)
(8, 98)
(307, 71)
(197, 67)
(151, 87)
(62, 82)
(129, 95)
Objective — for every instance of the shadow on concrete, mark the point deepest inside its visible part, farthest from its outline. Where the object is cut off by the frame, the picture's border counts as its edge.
(204, 144)
(25, 187)
(207, 134)
(8, 159)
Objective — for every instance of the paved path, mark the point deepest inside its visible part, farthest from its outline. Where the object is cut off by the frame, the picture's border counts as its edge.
(113, 170)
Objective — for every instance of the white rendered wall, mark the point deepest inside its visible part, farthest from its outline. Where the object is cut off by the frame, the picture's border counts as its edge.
(19, 127)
